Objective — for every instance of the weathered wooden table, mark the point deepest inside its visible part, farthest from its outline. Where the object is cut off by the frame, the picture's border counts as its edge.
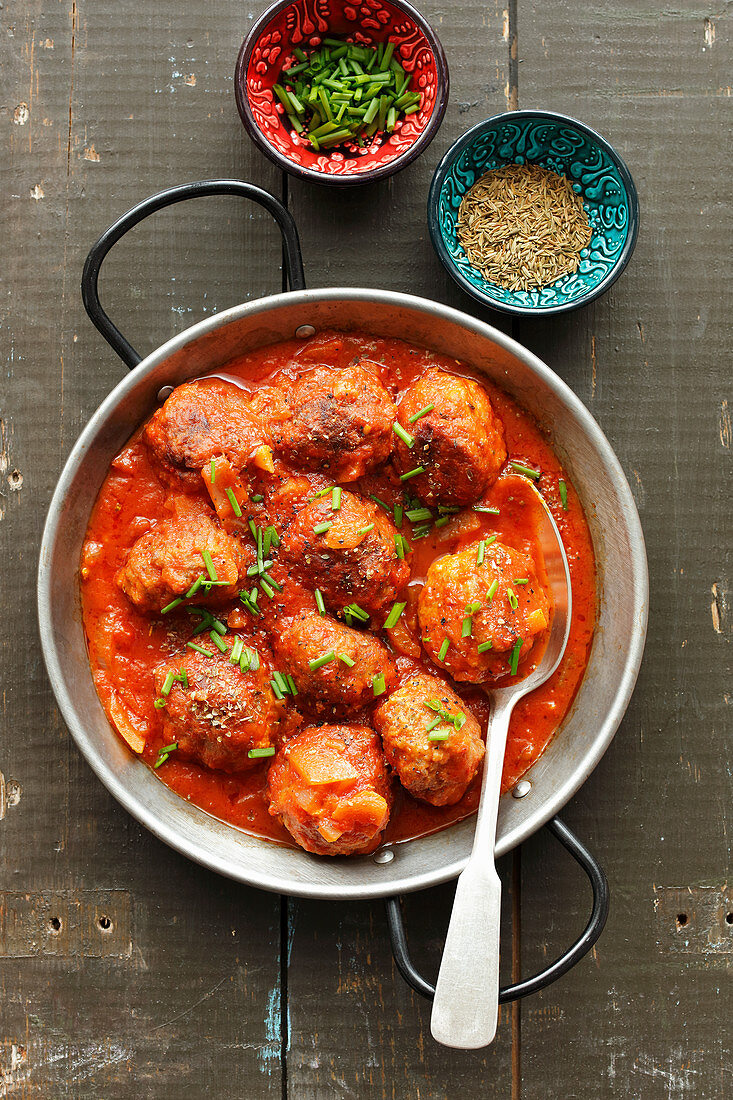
(127, 971)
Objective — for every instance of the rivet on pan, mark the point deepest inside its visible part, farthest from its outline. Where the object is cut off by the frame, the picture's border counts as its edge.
(384, 855)
(522, 788)
(305, 330)
(164, 392)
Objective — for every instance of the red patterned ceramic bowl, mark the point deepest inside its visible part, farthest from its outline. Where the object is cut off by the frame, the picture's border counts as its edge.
(268, 49)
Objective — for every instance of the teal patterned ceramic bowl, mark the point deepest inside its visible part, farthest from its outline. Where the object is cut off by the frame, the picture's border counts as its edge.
(567, 147)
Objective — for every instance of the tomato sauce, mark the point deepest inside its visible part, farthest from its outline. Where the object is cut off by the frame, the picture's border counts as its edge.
(125, 646)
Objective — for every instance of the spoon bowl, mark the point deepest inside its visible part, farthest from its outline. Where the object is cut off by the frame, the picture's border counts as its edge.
(466, 1005)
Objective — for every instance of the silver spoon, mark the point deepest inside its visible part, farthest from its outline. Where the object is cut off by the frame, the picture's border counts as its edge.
(466, 1005)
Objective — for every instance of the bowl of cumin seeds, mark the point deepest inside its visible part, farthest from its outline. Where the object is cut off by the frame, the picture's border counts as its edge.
(533, 212)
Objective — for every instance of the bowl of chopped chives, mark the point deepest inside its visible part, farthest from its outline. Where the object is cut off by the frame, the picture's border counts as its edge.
(533, 213)
(340, 91)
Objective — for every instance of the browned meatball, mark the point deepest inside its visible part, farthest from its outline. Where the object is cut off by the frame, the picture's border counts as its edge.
(334, 419)
(350, 554)
(330, 788)
(164, 563)
(459, 442)
(219, 713)
(202, 420)
(502, 600)
(430, 739)
(359, 667)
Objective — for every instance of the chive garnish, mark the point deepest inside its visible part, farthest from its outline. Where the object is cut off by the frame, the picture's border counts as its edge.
(320, 493)
(467, 627)
(378, 684)
(493, 587)
(344, 657)
(394, 615)
(398, 515)
(484, 646)
(260, 754)
(208, 562)
(485, 508)
(164, 753)
(357, 612)
(324, 659)
(515, 657)
(397, 428)
(513, 601)
(257, 498)
(321, 528)
(336, 499)
(443, 649)
(199, 649)
(168, 683)
(442, 521)
(399, 548)
(159, 703)
(416, 515)
(521, 580)
(563, 494)
(319, 602)
(435, 722)
(521, 468)
(380, 502)
(220, 645)
(423, 412)
(195, 587)
(253, 528)
(281, 682)
(218, 626)
(170, 606)
(438, 736)
(236, 653)
(276, 690)
(267, 589)
(291, 685)
(234, 503)
(213, 471)
(480, 552)
(365, 530)
(412, 473)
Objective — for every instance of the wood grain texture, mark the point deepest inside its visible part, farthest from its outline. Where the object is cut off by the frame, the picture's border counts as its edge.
(186, 989)
(648, 1015)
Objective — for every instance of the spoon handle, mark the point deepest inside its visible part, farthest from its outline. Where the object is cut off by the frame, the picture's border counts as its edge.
(466, 1005)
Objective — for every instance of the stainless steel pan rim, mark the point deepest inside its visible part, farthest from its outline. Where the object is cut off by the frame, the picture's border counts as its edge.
(421, 863)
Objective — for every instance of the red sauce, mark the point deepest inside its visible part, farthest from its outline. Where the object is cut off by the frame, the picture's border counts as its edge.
(125, 645)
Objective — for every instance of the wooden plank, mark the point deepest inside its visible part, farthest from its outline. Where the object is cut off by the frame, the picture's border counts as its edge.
(181, 989)
(647, 1015)
(355, 1029)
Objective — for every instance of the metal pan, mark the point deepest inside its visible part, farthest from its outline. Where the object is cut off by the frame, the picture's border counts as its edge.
(595, 472)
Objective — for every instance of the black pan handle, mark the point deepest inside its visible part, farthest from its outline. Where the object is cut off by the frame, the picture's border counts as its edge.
(574, 954)
(90, 276)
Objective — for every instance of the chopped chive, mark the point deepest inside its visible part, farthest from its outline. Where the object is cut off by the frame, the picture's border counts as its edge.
(421, 532)
(324, 659)
(438, 736)
(208, 562)
(435, 722)
(220, 645)
(467, 627)
(490, 540)
(217, 625)
(267, 589)
(257, 498)
(276, 690)
(234, 503)
(267, 541)
(513, 601)
(195, 587)
(423, 412)
(521, 468)
(563, 494)
(443, 649)
(319, 602)
(485, 508)
(213, 471)
(378, 684)
(169, 607)
(274, 537)
(291, 685)
(398, 515)
(281, 682)
(344, 657)
(492, 590)
(480, 552)
(182, 677)
(515, 657)
(380, 502)
(236, 653)
(199, 649)
(484, 646)
(168, 683)
(336, 499)
(365, 530)
(253, 528)
(399, 548)
(272, 582)
(406, 438)
(260, 754)
(412, 473)
(320, 493)
(357, 612)
(442, 521)
(321, 528)
(448, 509)
(415, 515)
(394, 615)
(159, 703)
(521, 580)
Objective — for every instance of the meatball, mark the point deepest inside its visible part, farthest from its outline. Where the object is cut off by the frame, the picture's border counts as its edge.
(358, 667)
(350, 554)
(495, 605)
(164, 563)
(334, 419)
(330, 788)
(459, 442)
(216, 713)
(430, 739)
(202, 420)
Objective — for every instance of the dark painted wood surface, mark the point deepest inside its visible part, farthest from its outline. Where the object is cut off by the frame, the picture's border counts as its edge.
(126, 971)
